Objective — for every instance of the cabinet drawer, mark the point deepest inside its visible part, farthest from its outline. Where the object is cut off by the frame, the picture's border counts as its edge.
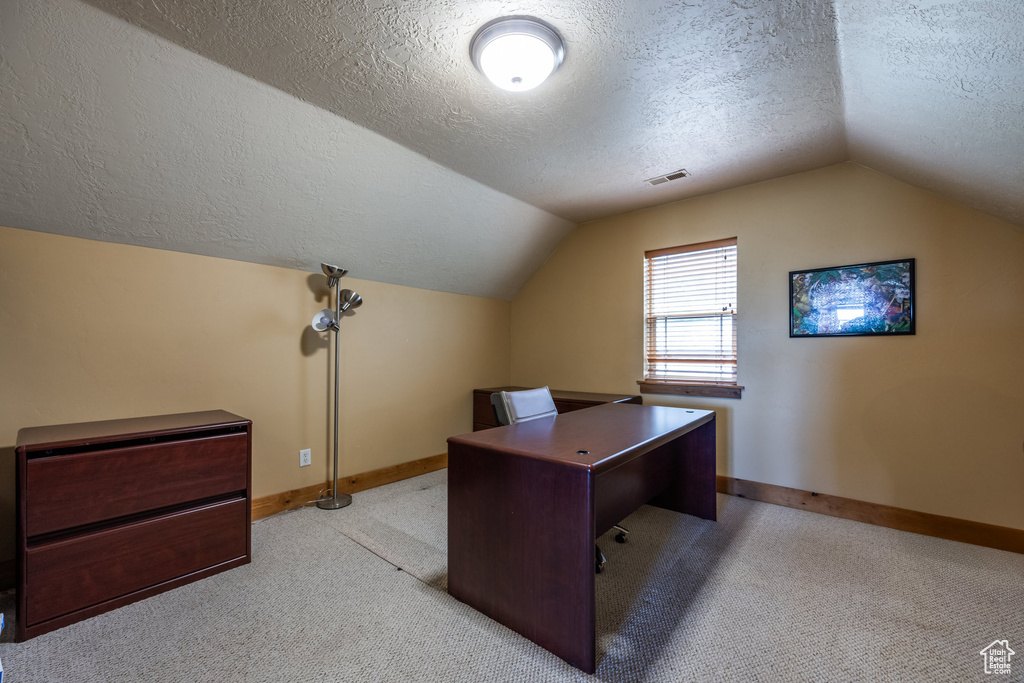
(69, 575)
(65, 491)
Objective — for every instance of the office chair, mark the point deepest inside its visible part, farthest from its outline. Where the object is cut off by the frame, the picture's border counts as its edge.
(511, 407)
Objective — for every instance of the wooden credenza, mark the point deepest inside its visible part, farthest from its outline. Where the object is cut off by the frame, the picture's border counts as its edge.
(113, 512)
(565, 402)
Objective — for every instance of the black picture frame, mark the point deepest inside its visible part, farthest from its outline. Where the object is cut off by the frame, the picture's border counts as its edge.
(861, 300)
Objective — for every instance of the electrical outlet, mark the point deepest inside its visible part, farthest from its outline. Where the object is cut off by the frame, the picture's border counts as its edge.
(305, 457)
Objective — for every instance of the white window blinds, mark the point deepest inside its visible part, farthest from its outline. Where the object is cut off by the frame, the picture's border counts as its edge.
(690, 308)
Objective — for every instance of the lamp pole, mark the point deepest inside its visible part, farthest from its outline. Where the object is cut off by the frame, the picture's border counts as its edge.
(336, 502)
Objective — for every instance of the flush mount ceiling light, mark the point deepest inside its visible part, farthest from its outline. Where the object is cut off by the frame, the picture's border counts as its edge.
(517, 53)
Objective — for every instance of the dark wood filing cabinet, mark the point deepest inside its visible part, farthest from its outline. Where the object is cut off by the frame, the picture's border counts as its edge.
(565, 402)
(113, 512)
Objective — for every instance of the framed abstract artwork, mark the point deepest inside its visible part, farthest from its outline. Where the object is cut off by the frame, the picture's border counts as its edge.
(865, 299)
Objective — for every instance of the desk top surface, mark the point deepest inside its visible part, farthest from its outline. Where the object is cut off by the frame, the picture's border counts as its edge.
(607, 434)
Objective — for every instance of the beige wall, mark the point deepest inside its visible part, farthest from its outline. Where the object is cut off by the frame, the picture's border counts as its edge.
(91, 330)
(932, 422)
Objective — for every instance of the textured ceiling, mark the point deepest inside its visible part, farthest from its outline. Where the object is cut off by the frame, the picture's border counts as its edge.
(380, 147)
(735, 92)
(934, 96)
(108, 132)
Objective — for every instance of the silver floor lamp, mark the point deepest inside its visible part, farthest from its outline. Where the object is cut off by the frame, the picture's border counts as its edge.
(327, 319)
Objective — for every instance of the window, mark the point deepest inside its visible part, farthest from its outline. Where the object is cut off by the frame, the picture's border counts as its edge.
(690, 313)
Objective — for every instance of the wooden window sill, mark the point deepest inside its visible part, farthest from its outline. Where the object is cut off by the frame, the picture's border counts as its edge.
(684, 389)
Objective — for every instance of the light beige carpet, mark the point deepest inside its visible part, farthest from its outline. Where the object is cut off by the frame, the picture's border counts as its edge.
(765, 594)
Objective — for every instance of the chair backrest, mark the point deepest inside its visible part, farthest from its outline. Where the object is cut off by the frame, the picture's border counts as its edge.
(519, 406)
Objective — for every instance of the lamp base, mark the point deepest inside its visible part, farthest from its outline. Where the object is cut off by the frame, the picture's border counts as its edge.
(335, 503)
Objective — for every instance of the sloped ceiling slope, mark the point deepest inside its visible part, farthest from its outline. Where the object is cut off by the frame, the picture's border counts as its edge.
(930, 92)
(293, 131)
(108, 132)
(735, 92)
(934, 96)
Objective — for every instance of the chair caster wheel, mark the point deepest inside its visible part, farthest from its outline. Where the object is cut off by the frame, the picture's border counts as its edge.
(620, 537)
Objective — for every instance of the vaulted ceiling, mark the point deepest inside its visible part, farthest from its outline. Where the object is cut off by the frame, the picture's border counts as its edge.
(293, 131)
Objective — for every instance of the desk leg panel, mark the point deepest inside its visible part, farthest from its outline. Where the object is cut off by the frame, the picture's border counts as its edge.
(521, 547)
(693, 486)
(622, 490)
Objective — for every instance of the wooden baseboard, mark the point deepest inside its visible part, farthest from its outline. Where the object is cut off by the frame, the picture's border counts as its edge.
(388, 475)
(950, 528)
(289, 500)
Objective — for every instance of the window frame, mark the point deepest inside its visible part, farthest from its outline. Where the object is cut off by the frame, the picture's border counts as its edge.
(686, 387)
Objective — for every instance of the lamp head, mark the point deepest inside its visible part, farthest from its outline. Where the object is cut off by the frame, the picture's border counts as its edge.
(325, 320)
(333, 273)
(350, 299)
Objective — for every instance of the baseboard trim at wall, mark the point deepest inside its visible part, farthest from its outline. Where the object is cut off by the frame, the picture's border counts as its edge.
(950, 528)
(389, 475)
(289, 500)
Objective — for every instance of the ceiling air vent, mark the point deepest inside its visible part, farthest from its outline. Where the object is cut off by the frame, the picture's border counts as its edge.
(674, 175)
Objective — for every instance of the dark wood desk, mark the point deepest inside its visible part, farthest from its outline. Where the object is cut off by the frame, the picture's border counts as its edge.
(565, 402)
(526, 503)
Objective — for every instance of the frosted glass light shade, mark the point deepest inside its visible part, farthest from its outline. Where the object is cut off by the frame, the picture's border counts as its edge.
(517, 53)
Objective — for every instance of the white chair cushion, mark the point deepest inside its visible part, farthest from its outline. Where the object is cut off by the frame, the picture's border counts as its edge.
(528, 405)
